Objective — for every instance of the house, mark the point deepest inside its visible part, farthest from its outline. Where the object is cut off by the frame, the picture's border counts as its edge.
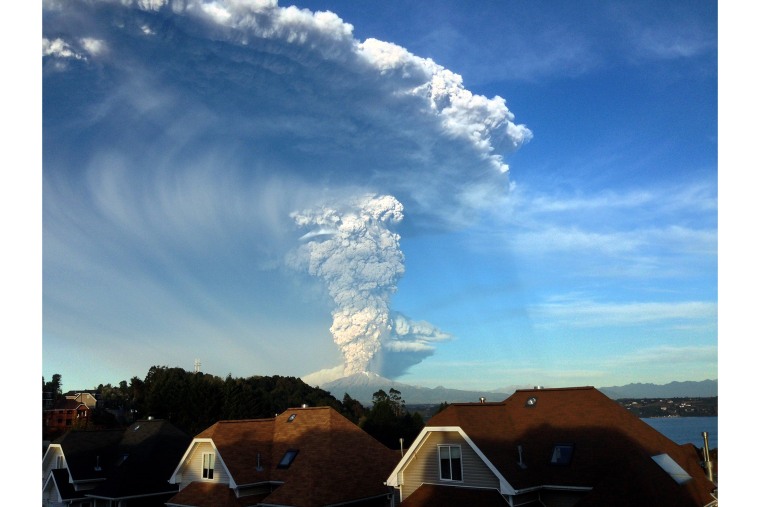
(548, 447)
(113, 468)
(88, 398)
(67, 414)
(305, 457)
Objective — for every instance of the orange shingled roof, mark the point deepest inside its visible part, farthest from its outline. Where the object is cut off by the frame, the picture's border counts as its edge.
(451, 496)
(606, 438)
(336, 462)
(208, 494)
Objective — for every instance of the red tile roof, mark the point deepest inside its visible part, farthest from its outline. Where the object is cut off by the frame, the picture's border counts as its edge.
(337, 461)
(612, 448)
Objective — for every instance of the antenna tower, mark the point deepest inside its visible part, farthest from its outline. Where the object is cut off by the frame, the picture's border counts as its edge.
(197, 365)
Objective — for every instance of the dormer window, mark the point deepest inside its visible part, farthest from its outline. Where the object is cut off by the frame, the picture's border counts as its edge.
(561, 454)
(208, 465)
(450, 461)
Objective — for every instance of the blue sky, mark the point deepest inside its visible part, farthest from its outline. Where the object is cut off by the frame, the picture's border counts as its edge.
(518, 194)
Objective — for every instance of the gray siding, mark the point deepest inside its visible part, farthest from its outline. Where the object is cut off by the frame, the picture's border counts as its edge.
(423, 467)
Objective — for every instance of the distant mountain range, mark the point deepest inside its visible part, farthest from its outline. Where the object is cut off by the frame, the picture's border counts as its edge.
(703, 389)
(361, 387)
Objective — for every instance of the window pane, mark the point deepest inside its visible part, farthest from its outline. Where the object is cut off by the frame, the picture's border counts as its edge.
(445, 461)
(208, 466)
(456, 469)
(445, 469)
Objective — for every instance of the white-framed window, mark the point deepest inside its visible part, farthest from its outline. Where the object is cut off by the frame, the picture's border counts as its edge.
(450, 462)
(208, 465)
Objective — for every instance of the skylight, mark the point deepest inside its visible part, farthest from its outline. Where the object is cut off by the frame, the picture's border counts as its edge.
(288, 458)
(562, 454)
(672, 468)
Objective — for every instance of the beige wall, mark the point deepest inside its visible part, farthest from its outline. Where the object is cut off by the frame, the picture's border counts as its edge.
(423, 467)
(193, 470)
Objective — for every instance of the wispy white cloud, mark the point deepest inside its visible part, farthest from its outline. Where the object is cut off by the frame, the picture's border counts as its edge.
(639, 230)
(571, 311)
(666, 355)
(656, 37)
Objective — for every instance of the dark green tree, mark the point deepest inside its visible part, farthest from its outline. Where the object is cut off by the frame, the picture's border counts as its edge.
(53, 388)
(389, 421)
(353, 409)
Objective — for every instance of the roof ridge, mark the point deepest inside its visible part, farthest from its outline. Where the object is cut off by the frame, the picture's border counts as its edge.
(232, 421)
(578, 388)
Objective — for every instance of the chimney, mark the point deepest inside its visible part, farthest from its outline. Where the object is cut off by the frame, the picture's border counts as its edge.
(706, 456)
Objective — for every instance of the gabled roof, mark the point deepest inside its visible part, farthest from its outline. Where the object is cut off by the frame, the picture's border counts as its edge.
(145, 459)
(612, 449)
(137, 461)
(59, 480)
(67, 404)
(87, 452)
(336, 462)
(240, 444)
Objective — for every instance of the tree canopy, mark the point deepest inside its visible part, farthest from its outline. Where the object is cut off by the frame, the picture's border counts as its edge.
(193, 401)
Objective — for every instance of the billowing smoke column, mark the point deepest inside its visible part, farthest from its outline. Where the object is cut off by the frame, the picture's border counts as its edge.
(352, 248)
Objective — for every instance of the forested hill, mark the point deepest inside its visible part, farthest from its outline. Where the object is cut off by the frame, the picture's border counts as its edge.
(194, 401)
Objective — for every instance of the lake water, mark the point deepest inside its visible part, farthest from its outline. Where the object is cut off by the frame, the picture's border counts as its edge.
(686, 430)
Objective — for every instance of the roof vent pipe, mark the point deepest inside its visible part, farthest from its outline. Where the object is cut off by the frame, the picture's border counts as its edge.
(706, 454)
(521, 463)
(482, 400)
(304, 405)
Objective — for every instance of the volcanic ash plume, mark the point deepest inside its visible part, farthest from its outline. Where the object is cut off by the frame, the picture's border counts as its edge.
(352, 249)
